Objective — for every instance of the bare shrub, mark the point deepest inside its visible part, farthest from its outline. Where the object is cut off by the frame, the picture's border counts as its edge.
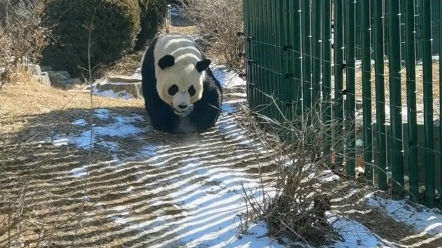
(22, 37)
(304, 185)
(219, 21)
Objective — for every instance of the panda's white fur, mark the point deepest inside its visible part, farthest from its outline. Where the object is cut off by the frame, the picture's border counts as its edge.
(183, 73)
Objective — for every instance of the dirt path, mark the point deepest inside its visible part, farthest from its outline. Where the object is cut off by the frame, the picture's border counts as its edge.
(141, 188)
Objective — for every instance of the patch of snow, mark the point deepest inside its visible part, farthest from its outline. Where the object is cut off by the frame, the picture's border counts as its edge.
(61, 142)
(121, 126)
(149, 151)
(228, 108)
(354, 234)
(327, 176)
(110, 93)
(80, 122)
(422, 219)
(58, 140)
(102, 114)
(79, 172)
(228, 79)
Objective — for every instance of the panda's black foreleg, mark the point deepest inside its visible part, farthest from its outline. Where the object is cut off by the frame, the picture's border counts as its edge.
(206, 111)
(162, 117)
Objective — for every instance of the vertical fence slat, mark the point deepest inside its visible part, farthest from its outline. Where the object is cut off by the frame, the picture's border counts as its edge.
(290, 94)
(274, 51)
(350, 28)
(413, 166)
(440, 100)
(366, 90)
(326, 76)
(248, 22)
(394, 62)
(258, 57)
(281, 42)
(267, 61)
(307, 55)
(428, 102)
(403, 29)
(316, 30)
(338, 55)
(297, 56)
(378, 27)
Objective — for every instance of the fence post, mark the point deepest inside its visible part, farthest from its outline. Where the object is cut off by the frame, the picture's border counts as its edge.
(296, 42)
(413, 166)
(338, 55)
(317, 39)
(440, 100)
(366, 90)
(350, 27)
(394, 62)
(378, 28)
(307, 57)
(326, 77)
(428, 102)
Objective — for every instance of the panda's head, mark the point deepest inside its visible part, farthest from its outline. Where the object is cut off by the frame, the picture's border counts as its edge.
(180, 84)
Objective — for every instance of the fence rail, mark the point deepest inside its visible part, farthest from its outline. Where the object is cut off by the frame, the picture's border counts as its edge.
(370, 67)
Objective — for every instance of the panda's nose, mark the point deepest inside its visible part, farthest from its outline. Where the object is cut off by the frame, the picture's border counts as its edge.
(182, 106)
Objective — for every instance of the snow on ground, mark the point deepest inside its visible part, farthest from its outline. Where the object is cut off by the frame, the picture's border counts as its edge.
(228, 79)
(211, 207)
(354, 234)
(424, 220)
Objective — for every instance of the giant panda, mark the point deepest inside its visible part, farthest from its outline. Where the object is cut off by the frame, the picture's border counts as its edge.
(175, 77)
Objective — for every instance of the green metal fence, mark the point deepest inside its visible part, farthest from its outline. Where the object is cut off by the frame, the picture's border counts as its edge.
(293, 61)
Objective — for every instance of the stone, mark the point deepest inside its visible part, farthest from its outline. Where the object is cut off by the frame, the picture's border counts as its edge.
(123, 79)
(43, 78)
(36, 70)
(32, 69)
(133, 88)
(58, 78)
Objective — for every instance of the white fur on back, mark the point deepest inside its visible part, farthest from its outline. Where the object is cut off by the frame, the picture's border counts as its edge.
(180, 47)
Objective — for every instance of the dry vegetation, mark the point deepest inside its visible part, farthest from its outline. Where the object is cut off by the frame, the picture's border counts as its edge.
(297, 211)
(303, 191)
(38, 198)
(219, 22)
(21, 36)
(419, 85)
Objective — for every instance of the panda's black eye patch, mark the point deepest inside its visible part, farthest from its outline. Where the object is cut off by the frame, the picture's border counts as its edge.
(191, 90)
(173, 90)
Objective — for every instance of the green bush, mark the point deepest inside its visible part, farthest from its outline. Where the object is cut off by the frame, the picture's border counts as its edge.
(116, 24)
(153, 14)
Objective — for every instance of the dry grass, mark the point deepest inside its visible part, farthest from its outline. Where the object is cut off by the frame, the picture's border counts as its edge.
(222, 33)
(38, 197)
(187, 30)
(21, 36)
(419, 84)
(30, 98)
(297, 209)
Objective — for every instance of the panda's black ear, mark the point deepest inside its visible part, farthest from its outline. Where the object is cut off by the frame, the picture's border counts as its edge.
(166, 61)
(203, 65)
